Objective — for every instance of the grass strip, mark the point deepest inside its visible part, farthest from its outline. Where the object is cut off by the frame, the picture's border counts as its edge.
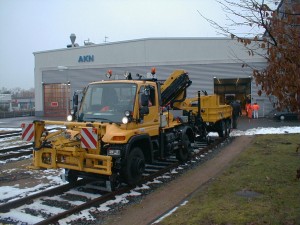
(259, 187)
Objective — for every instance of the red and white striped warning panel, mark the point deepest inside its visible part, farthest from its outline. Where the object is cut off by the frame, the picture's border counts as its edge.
(27, 132)
(89, 138)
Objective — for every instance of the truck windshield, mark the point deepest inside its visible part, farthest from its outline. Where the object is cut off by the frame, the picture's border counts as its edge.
(107, 102)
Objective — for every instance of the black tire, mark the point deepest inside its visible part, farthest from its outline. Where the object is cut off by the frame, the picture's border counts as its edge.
(183, 153)
(221, 128)
(71, 176)
(135, 166)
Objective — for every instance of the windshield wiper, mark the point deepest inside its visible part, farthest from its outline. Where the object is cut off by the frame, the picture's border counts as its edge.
(101, 119)
(105, 119)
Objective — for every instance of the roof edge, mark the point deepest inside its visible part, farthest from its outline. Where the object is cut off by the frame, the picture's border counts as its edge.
(136, 40)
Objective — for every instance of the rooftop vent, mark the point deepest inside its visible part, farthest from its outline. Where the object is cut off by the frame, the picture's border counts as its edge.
(88, 42)
(73, 38)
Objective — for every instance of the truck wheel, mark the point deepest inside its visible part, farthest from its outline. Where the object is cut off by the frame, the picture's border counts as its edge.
(71, 176)
(221, 128)
(183, 153)
(135, 166)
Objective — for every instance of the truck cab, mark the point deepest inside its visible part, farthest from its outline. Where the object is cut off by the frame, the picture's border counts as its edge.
(130, 104)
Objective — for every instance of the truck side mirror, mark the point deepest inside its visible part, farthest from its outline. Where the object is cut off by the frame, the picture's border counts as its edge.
(144, 110)
(75, 104)
(144, 100)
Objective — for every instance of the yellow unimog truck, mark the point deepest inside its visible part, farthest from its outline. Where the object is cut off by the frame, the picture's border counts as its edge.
(121, 125)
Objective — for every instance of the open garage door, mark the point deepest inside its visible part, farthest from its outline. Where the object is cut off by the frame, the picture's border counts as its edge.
(233, 89)
(56, 100)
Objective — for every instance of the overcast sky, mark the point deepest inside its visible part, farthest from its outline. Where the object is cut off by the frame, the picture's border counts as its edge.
(29, 26)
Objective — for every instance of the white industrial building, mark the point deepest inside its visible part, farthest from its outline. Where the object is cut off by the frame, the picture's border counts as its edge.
(214, 65)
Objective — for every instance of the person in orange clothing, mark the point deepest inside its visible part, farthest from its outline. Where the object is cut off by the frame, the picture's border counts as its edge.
(255, 108)
(249, 110)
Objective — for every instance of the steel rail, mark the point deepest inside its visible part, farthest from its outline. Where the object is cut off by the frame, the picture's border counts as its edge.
(16, 154)
(6, 207)
(6, 134)
(10, 134)
(6, 150)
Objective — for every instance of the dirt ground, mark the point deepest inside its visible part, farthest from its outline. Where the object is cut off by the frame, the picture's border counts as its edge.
(17, 173)
(175, 192)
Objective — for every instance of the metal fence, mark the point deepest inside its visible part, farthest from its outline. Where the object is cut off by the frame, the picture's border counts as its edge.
(17, 114)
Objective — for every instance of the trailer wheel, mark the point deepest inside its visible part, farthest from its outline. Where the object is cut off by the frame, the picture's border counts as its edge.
(71, 176)
(221, 128)
(135, 166)
(183, 153)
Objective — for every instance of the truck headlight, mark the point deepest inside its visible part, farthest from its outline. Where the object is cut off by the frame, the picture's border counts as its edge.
(127, 113)
(114, 152)
(69, 118)
(128, 117)
(125, 120)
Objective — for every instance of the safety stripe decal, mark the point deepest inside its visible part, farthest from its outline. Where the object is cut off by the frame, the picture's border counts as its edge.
(28, 132)
(88, 138)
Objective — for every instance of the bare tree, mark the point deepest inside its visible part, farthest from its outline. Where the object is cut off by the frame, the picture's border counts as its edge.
(272, 30)
(18, 92)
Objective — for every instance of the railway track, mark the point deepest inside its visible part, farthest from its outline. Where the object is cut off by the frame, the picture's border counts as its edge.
(15, 152)
(6, 134)
(22, 148)
(70, 199)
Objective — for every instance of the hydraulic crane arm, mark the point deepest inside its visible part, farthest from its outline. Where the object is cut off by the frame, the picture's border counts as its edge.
(174, 88)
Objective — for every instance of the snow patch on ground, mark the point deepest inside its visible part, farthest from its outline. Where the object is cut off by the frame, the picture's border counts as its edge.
(15, 192)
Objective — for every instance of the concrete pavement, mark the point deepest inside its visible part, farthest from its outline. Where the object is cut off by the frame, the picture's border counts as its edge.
(244, 123)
